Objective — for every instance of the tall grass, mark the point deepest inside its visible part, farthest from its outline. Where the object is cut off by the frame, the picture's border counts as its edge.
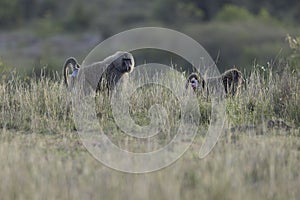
(34, 105)
(40, 104)
(268, 94)
(51, 163)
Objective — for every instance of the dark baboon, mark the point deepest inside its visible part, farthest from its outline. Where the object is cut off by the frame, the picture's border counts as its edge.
(70, 71)
(231, 79)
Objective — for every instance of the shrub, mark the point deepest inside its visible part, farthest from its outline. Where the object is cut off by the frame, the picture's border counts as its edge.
(233, 13)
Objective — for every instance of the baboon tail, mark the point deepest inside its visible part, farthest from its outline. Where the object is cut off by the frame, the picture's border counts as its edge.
(75, 66)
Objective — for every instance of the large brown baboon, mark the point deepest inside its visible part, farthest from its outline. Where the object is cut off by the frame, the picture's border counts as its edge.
(97, 76)
(105, 74)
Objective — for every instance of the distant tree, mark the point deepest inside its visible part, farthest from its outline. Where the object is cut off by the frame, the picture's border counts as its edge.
(284, 10)
(233, 13)
(28, 8)
(48, 7)
(79, 17)
(209, 7)
(166, 10)
(176, 11)
(9, 12)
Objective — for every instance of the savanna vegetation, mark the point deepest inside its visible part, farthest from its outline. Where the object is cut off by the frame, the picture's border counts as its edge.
(43, 157)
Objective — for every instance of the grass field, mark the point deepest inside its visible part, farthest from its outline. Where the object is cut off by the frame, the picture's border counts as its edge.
(42, 157)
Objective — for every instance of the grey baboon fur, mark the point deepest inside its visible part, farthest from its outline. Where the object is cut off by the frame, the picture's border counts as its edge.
(231, 80)
(97, 76)
(105, 74)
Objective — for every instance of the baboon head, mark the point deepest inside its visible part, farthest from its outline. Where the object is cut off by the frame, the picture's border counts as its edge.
(123, 62)
(196, 82)
(119, 64)
(232, 80)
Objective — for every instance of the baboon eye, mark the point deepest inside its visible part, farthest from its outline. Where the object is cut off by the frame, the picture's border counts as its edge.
(127, 61)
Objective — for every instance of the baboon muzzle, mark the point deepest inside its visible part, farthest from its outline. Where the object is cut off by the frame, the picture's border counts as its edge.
(128, 64)
(194, 84)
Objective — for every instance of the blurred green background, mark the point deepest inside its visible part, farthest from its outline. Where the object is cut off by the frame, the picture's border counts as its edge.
(37, 34)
